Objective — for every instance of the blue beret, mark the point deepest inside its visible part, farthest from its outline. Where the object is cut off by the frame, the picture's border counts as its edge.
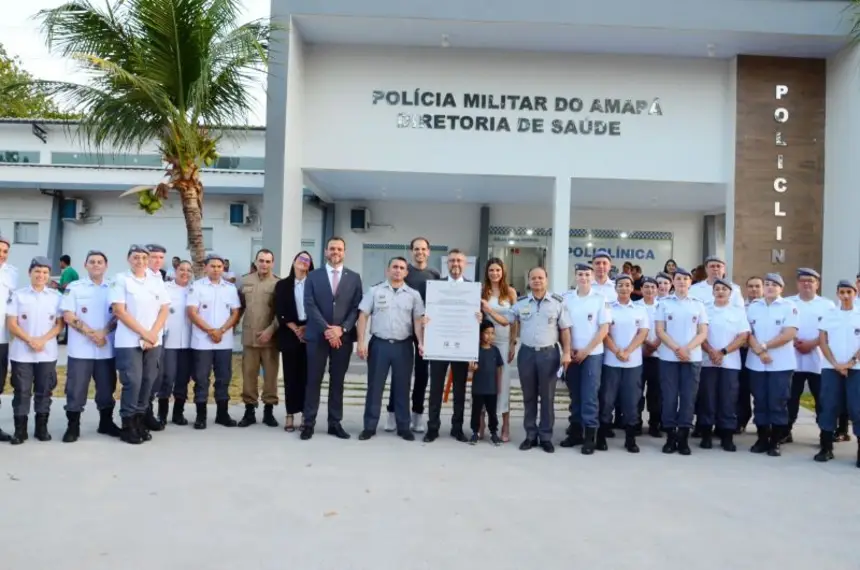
(40, 261)
(663, 275)
(682, 271)
(601, 253)
(622, 277)
(649, 280)
(5, 240)
(775, 278)
(583, 267)
(155, 248)
(713, 259)
(846, 284)
(807, 272)
(137, 248)
(724, 283)
(213, 256)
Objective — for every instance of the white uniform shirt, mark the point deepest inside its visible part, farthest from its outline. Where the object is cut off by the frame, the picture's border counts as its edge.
(91, 304)
(843, 335)
(155, 273)
(607, 290)
(299, 294)
(766, 323)
(177, 330)
(627, 321)
(724, 325)
(8, 284)
(37, 313)
(214, 302)
(681, 319)
(704, 292)
(587, 314)
(143, 299)
(811, 315)
(652, 314)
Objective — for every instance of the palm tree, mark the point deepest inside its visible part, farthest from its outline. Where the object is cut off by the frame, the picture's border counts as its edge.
(169, 71)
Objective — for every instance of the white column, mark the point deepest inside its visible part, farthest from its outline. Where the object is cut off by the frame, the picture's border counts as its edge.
(841, 239)
(559, 256)
(730, 142)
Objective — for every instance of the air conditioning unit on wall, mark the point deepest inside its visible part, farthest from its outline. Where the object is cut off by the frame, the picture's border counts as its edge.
(240, 215)
(74, 210)
(359, 220)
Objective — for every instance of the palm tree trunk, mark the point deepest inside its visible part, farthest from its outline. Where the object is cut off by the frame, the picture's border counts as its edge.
(194, 224)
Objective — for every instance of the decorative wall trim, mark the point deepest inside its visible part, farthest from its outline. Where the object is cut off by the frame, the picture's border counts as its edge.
(581, 233)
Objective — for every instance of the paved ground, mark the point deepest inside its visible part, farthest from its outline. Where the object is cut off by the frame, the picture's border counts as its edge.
(260, 499)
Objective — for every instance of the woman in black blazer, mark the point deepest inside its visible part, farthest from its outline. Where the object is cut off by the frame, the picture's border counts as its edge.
(289, 307)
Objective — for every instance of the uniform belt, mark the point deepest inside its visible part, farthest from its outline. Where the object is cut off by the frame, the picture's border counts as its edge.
(542, 348)
(392, 340)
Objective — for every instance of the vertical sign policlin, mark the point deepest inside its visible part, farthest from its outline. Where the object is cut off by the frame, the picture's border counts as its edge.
(780, 183)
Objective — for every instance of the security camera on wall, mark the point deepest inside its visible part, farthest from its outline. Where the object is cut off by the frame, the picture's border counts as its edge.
(359, 220)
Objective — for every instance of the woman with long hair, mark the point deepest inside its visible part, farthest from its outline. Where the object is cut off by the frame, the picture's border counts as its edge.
(177, 360)
(497, 299)
(290, 311)
(670, 267)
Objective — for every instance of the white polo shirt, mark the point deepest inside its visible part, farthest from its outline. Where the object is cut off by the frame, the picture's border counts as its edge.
(811, 315)
(214, 302)
(843, 335)
(154, 273)
(627, 321)
(724, 325)
(681, 318)
(766, 322)
(8, 284)
(91, 304)
(586, 314)
(652, 314)
(177, 330)
(606, 289)
(37, 313)
(143, 299)
(704, 292)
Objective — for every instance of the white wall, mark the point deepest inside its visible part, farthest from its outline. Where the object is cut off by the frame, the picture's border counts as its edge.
(20, 207)
(350, 132)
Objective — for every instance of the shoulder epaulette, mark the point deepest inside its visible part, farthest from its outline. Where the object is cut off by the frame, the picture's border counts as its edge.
(377, 284)
(557, 297)
(522, 298)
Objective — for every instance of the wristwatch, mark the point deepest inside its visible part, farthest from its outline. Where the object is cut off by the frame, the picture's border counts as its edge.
(723, 351)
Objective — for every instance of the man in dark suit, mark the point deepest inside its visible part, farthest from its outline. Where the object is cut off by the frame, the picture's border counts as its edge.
(332, 296)
(439, 371)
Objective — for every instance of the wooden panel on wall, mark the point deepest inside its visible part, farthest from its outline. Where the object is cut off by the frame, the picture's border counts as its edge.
(779, 188)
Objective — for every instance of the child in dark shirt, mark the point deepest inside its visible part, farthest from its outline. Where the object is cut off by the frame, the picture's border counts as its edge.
(486, 382)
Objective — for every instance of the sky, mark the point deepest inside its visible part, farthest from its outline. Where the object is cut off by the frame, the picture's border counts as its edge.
(20, 35)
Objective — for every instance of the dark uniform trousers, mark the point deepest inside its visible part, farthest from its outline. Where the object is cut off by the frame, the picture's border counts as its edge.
(295, 361)
(139, 370)
(338, 361)
(178, 364)
(537, 369)
(384, 356)
(78, 375)
(33, 383)
(620, 387)
(4, 363)
(650, 397)
(771, 391)
(798, 384)
(679, 386)
(419, 388)
(219, 362)
(438, 377)
(837, 393)
(583, 383)
(718, 396)
(744, 406)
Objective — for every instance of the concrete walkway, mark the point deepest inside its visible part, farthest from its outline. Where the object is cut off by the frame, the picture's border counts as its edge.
(259, 498)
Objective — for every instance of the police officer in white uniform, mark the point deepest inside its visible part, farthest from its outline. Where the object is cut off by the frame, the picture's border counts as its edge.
(214, 309)
(34, 321)
(650, 362)
(811, 309)
(715, 268)
(543, 322)
(589, 315)
(840, 374)
(87, 312)
(664, 285)
(140, 303)
(178, 360)
(8, 283)
(771, 361)
(601, 262)
(682, 326)
(622, 363)
(395, 310)
(156, 260)
(728, 330)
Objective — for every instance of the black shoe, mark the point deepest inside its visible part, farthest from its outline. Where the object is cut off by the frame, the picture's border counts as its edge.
(222, 416)
(697, 432)
(654, 430)
(338, 431)
(4, 437)
(527, 444)
(601, 437)
(588, 441)
(179, 412)
(457, 433)
(41, 431)
(494, 439)
(366, 434)
(547, 446)
(683, 444)
(200, 420)
(727, 440)
(777, 434)
(858, 454)
(269, 415)
(139, 421)
(129, 433)
(73, 431)
(307, 432)
(163, 409)
(20, 434)
(250, 417)
(638, 429)
(788, 437)
(671, 445)
(431, 436)
(106, 425)
(761, 445)
(826, 452)
(707, 438)
(406, 435)
(574, 436)
(609, 433)
(474, 439)
(841, 437)
(151, 422)
(630, 440)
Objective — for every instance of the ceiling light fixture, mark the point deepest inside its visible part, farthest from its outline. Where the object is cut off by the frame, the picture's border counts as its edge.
(623, 235)
(589, 244)
(511, 242)
(446, 43)
(530, 232)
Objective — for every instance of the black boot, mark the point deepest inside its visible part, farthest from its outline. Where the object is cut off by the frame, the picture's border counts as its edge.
(129, 433)
(858, 454)
(588, 443)
(630, 440)
(150, 422)
(654, 428)
(250, 416)
(727, 440)
(200, 420)
(671, 445)
(106, 425)
(707, 438)
(777, 433)
(825, 439)
(269, 415)
(163, 408)
(73, 431)
(41, 431)
(697, 431)
(20, 435)
(179, 412)
(142, 428)
(222, 416)
(762, 442)
(4, 437)
(574, 436)
(788, 437)
(602, 434)
(684, 441)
